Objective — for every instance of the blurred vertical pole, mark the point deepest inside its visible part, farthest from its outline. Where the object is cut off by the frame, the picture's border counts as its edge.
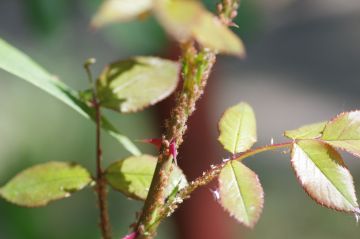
(200, 217)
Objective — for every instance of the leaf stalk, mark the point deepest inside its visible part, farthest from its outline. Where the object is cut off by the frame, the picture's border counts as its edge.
(211, 174)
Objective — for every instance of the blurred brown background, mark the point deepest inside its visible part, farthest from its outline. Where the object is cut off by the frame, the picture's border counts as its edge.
(302, 67)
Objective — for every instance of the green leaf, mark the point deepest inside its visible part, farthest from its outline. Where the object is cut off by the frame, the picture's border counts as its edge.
(199, 24)
(310, 131)
(324, 176)
(133, 84)
(238, 128)
(212, 33)
(241, 193)
(43, 183)
(20, 65)
(344, 132)
(120, 11)
(170, 14)
(132, 176)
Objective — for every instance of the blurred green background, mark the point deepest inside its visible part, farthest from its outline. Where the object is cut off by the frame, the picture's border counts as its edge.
(302, 67)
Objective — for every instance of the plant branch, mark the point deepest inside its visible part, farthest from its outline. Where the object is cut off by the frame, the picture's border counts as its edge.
(254, 151)
(101, 189)
(100, 180)
(196, 68)
(211, 174)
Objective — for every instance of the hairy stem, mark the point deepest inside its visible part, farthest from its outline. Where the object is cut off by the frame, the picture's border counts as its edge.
(101, 189)
(196, 68)
(211, 174)
(227, 11)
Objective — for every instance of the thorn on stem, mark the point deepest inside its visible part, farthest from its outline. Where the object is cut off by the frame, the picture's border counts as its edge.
(173, 151)
(154, 141)
(132, 235)
(233, 24)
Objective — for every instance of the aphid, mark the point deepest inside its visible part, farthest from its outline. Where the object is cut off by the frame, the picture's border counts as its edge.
(225, 160)
(215, 194)
(357, 215)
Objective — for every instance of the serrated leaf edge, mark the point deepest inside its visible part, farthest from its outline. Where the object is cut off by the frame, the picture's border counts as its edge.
(249, 224)
(307, 192)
